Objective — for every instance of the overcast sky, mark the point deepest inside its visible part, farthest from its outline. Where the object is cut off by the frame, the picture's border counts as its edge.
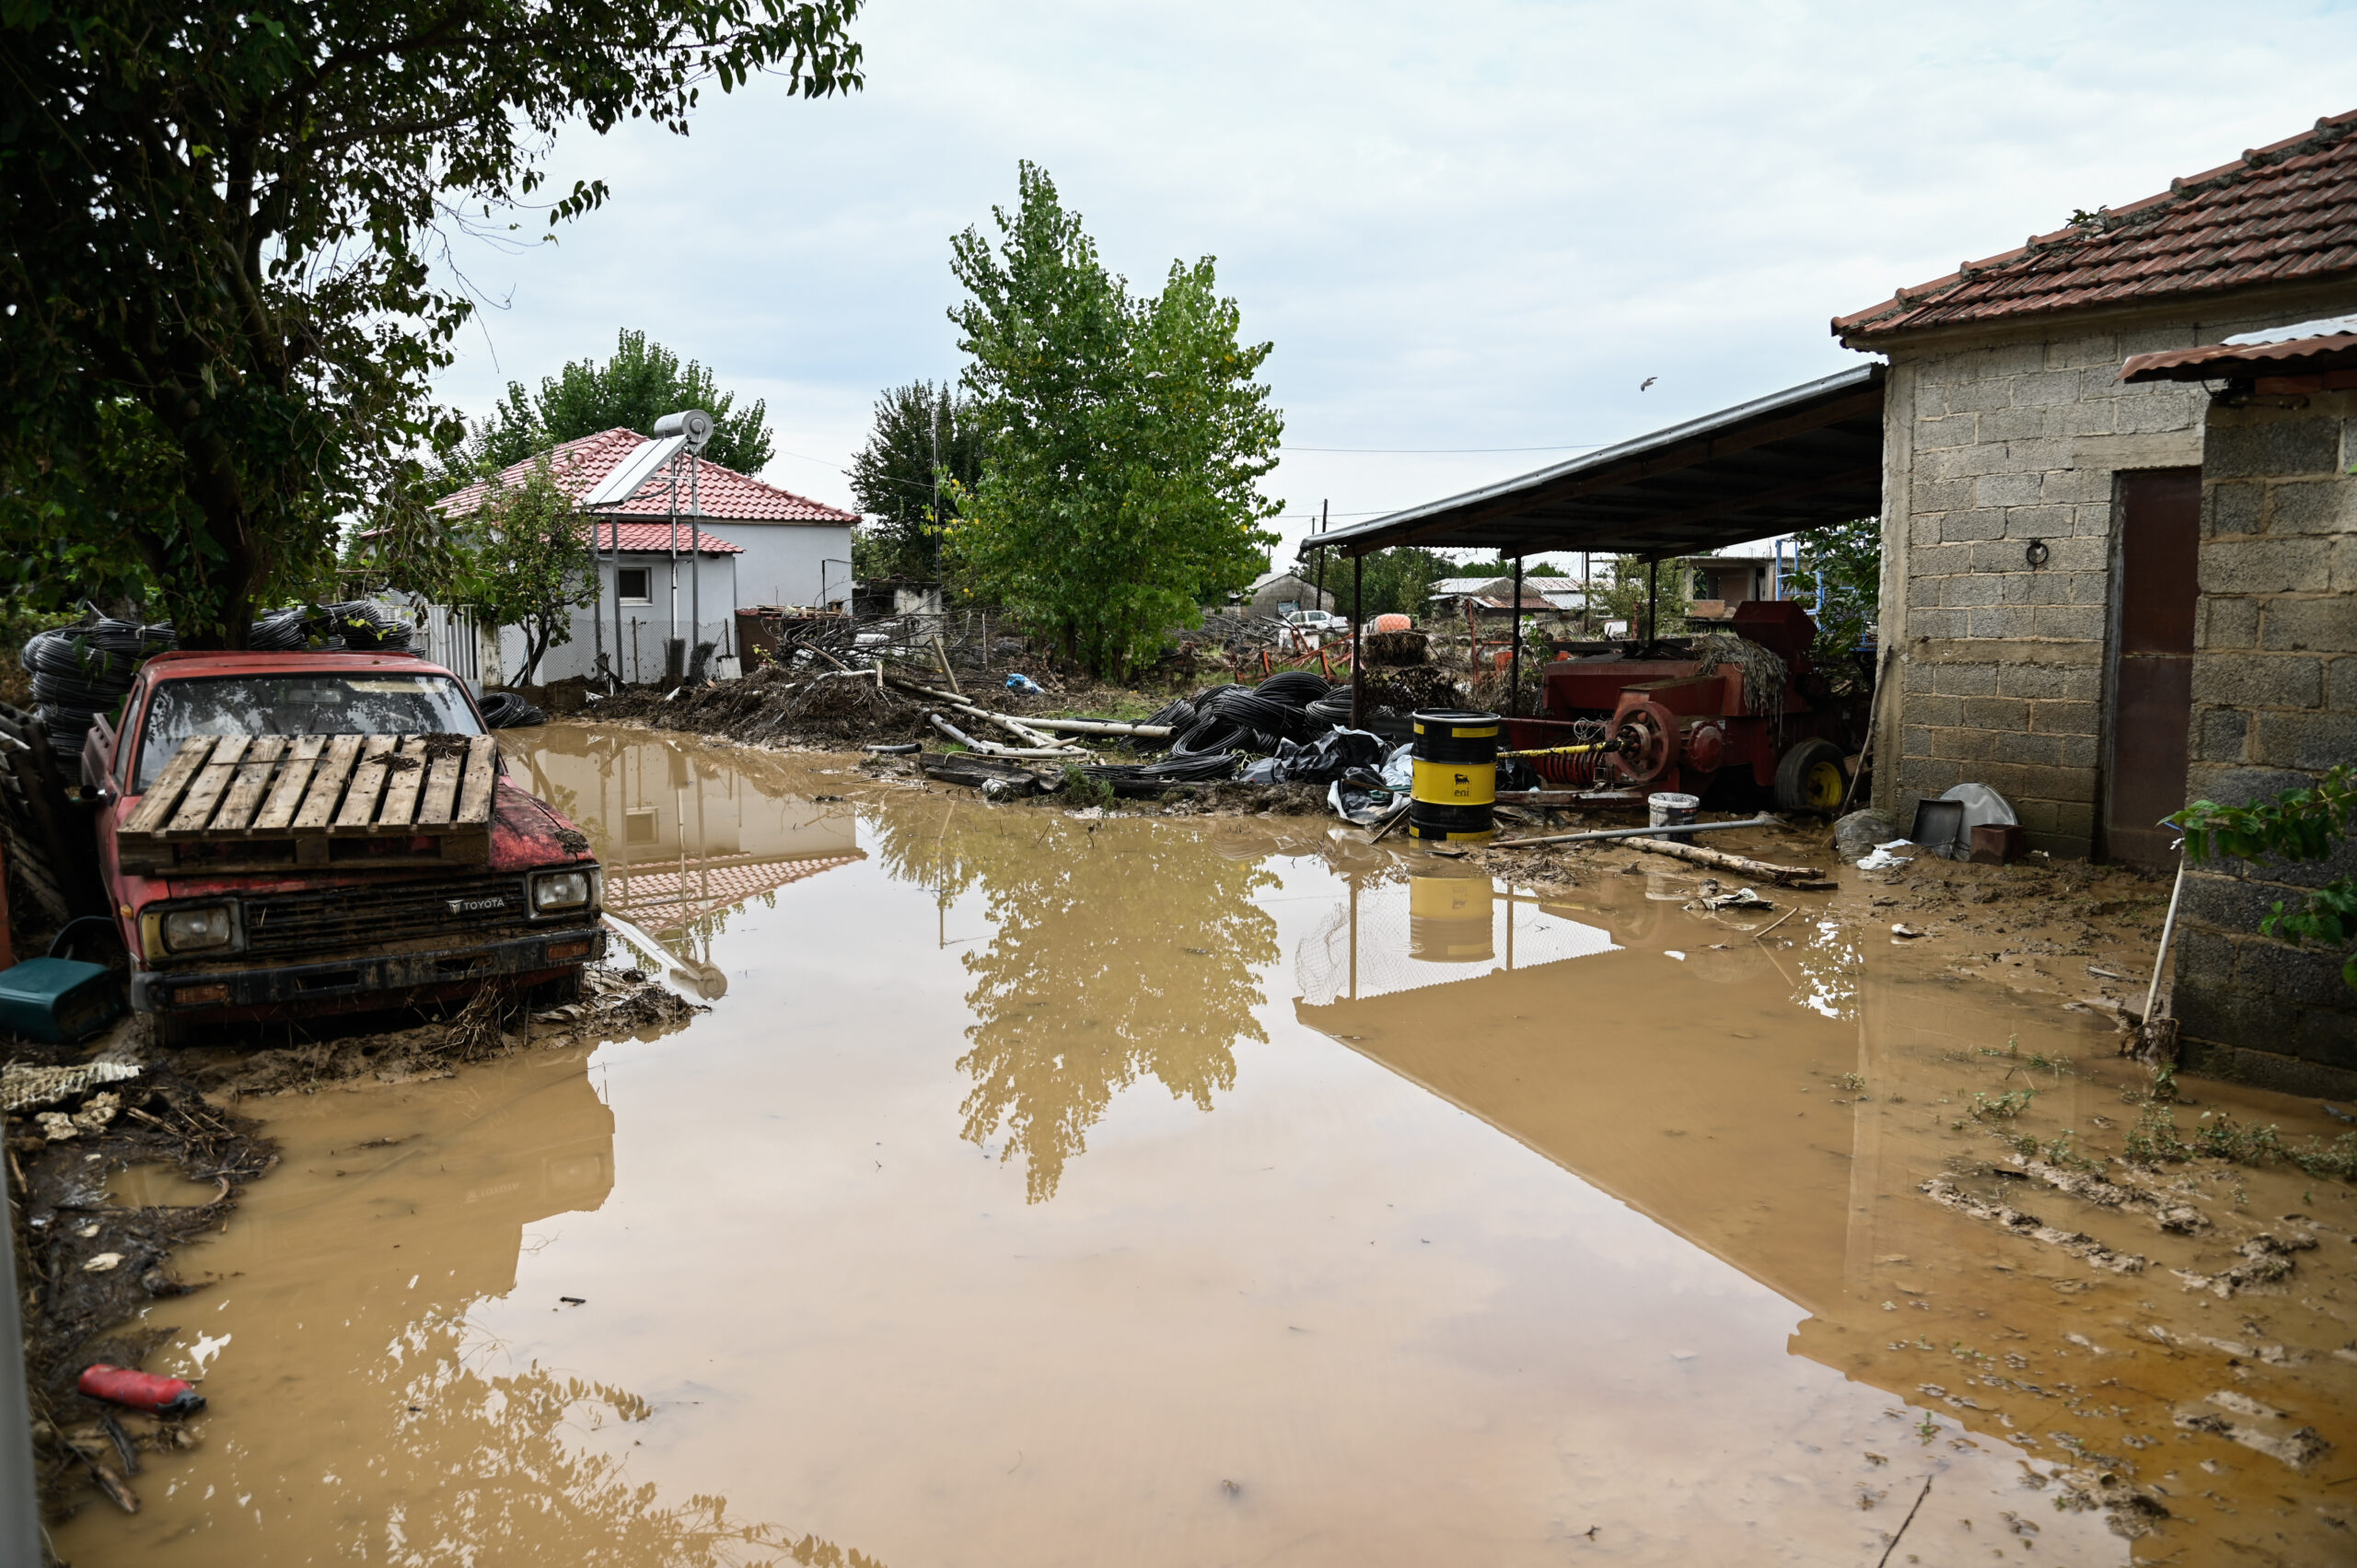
(1476, 226)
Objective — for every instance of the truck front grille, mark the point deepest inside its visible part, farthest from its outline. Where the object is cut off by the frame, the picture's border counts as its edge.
(317, 924)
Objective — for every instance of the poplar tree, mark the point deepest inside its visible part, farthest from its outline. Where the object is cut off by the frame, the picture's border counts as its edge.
(1124, 439)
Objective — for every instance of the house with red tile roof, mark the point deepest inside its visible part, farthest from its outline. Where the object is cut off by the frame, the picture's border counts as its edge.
(739, 542)
(2120, 549)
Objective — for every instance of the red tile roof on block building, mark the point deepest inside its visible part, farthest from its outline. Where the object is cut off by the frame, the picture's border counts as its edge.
(2282, 213)
(722, 493)
(656, 538)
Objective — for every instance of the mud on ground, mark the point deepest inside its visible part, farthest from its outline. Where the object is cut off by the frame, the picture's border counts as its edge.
(89, 1127)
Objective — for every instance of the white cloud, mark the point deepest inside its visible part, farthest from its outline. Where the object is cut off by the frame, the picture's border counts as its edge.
(1478, 226)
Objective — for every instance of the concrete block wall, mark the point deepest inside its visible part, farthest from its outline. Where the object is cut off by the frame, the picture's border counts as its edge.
(2274, 705)
(1990, 444)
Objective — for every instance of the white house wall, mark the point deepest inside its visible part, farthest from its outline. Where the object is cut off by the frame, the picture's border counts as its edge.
(643, 626)
(790, 562)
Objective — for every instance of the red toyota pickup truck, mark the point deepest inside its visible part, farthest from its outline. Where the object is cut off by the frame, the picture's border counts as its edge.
(330, 915)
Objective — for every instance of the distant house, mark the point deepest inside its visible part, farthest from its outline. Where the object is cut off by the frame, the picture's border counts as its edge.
(1281, 593)
(1451, 597)
(777, 547)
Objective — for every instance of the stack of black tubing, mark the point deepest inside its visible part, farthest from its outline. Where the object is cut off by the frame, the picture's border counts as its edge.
(505, 710)
(80, 672)
(84, 670)
(1252, 718)
(1149, 779)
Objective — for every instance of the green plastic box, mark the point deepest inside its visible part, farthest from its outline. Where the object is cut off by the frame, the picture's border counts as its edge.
(59, 1000)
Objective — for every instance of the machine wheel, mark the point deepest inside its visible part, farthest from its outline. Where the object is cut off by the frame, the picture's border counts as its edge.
(1809, 777)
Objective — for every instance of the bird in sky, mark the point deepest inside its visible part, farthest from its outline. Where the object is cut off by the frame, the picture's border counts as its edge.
(1647, 382)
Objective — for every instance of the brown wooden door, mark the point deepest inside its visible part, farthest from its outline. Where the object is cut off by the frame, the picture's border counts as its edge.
(2160, 540)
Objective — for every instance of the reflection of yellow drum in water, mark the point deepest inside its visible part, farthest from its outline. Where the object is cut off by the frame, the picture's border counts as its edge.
(1448, 920)
(1456, 782)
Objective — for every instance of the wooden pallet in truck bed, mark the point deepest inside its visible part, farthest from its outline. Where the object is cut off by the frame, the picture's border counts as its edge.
(237, 802)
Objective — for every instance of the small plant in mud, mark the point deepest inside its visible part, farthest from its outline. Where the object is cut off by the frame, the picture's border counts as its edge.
(1927, 1429)
(2064, 1151)
(1851, 1080)
(2164, 1082)
(1080, 790)
(2003, 1107)
(2154, 1140)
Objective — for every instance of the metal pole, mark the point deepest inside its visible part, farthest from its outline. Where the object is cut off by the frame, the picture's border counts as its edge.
(1322, 512)
(20, 1531)
(936, 488)
(675, 569)
(1652, 599)
(695, 556)
(1516, 699)
(619, 681)
(1358, 643)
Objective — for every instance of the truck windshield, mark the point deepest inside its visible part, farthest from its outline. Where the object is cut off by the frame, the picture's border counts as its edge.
(311, 703)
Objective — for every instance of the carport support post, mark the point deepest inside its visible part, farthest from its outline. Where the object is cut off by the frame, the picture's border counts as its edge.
(1516, 699)
(1358, 643)
(1653, 598)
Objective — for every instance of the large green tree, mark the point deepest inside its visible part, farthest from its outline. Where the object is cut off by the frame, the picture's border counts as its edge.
(220, 319)
(639, 385)
(1125, 438)
(893, 478)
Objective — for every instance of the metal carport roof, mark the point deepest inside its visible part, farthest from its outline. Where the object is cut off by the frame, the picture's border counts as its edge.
(1801, 459)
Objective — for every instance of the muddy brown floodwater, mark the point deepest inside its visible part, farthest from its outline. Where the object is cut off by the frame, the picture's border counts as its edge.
(1043, 1191)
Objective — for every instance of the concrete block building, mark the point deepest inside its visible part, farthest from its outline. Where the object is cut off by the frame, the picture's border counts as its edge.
(2042, 518)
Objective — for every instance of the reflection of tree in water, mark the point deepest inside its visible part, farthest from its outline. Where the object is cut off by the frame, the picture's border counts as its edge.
(1117, 953)
(510, 1467)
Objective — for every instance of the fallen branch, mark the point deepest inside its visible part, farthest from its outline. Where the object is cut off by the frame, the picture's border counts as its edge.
(1699, 855)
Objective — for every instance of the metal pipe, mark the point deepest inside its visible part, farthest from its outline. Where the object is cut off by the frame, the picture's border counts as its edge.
(696, 560)
(1514, 701)
(1358, 642)
(1760, 821)
(2168, 927)
(20, 1531)
(1652, 599)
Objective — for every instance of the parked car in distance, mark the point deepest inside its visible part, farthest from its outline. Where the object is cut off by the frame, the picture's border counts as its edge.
(1316, 620)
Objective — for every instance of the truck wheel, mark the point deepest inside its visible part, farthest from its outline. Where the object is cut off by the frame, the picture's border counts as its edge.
(1809, 777)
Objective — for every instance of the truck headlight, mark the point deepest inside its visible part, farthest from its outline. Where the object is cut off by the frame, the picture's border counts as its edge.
(558, 892)
(202, 930)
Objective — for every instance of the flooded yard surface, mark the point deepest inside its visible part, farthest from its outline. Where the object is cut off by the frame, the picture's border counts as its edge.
(1046, 1190)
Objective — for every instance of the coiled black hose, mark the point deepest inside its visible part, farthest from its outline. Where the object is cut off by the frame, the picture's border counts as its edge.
(1296, 687)
(505, 710)
(1179, 715)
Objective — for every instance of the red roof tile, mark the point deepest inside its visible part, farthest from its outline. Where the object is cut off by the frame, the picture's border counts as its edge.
(2280, 214)
(722, 493)
(657, 538)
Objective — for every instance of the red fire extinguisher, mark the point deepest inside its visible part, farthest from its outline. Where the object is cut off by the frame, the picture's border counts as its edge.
(140, 1391)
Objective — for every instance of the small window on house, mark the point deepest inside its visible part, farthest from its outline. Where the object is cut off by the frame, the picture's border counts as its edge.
(630, 585)
(638, 827)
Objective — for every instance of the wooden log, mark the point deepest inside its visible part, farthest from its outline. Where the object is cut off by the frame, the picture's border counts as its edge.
(252, 781)
(327, 784)
(163, 796)
(358, 812)
(1700, 856)
(404, 778)
(479, 788)
(441, 796)
(197, 805)
(277, 813)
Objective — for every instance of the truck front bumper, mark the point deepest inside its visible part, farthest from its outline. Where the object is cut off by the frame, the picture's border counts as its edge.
(371, 979)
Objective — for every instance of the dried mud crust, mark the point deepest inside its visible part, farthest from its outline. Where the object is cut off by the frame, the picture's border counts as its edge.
(87, 1267)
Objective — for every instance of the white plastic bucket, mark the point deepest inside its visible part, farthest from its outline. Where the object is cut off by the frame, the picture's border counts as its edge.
(1668, 810)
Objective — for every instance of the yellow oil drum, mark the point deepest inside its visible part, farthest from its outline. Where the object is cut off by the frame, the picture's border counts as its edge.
(1454, 788)
(1450, 919)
